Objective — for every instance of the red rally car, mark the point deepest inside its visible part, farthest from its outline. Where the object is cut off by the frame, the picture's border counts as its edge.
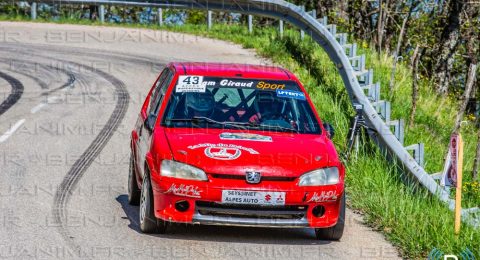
(231, 144)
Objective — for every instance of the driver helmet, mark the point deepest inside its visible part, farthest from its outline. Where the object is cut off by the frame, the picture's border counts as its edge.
(266, 103)
(199, 104)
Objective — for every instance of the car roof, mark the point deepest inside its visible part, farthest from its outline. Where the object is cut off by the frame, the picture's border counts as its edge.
(232, 70)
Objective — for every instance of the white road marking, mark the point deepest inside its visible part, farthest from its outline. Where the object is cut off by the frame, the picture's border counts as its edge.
(12, 130)
(37, 108)
(53, 99)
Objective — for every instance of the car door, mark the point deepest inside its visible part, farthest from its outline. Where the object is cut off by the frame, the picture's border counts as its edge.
(150, 115)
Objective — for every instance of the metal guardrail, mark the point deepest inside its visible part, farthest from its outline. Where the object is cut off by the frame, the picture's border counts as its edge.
(351, 67)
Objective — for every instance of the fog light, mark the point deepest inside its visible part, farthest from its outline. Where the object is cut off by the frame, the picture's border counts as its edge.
(182, 205)
(318, 211)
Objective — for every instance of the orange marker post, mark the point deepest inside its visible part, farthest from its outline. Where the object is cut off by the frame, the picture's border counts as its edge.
(458, 193)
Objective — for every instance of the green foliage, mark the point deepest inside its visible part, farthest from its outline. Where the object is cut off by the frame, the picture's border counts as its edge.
(11, 11)
(196, 17)
(410, 218)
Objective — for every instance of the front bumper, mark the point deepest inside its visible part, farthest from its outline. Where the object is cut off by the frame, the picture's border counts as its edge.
(212, 213)
(248, 222)
(205, 207)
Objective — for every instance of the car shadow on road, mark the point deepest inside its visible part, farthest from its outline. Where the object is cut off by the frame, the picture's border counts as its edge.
(291, 236)
(130, 211)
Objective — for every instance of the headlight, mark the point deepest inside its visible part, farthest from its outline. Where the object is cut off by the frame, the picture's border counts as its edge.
(324, 176)
(181, 171)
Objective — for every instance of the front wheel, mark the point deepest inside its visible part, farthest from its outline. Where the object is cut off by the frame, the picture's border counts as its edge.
(335, 232)
(148, 222)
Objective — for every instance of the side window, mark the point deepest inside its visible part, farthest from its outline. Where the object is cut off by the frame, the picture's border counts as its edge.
(161, 90)
(306, 116)
(157, 90)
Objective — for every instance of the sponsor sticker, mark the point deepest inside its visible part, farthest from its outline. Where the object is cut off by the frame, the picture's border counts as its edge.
(190, 84)
(253, 197)
(223, 151)
(291, 94)
(184, 190)
(194, 83)
(270, 86)
(324, 196)
(235, 83)
(250, 150)
(245, 136)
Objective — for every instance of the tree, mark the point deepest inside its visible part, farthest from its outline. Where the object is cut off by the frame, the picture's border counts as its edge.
(447, 46)
(360, 21)
(472, 70)
(476, 161)
(93, 12)
(415, 59)
(381, 21)
(396, 54)
(325, 7)
(471, 37)
(472, 25)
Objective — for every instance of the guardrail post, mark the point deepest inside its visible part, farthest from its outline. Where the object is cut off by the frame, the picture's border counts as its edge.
(332, 28)
(418, 152)
(250, 23)
(323, 20)
(398, 129)
(160, 16)
(209, 19)
(342, 38)
(302, 33)
(102, 13)
(350, 49)
(373, 92)
(33, 11)
(281, 28)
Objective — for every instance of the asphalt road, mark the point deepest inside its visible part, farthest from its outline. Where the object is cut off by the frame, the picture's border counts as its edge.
(69, 96)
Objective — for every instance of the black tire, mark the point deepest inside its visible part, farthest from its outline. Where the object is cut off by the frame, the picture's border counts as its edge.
(148, 222)
(133, 190)
(335, 232)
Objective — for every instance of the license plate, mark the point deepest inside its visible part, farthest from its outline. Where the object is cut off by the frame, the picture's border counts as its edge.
(253, 197)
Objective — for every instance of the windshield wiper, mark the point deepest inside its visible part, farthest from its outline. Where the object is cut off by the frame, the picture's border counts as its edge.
(275, 126)
(240, 125)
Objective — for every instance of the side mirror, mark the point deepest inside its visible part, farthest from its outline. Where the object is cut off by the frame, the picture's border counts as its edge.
(330, 130)
(150, 122)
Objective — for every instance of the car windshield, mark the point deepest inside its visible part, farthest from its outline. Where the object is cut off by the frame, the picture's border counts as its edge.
(235, 103)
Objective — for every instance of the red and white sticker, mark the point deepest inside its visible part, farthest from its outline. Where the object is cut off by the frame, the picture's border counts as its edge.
(324, 196)
(223, 151)
(184, 190)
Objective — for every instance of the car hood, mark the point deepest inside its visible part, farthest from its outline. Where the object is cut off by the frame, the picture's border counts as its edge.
(218, 151)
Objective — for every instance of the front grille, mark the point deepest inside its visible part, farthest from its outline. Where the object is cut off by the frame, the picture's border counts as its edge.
(242, 177)
(251, 211)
